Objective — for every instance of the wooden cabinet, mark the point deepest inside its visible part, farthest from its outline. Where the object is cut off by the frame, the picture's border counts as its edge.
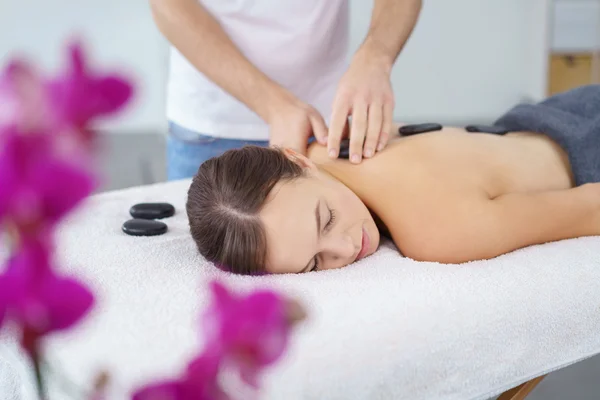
(568, 71)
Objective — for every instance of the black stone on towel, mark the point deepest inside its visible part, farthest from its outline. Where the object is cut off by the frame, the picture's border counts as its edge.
(152, 210)
(144, 227)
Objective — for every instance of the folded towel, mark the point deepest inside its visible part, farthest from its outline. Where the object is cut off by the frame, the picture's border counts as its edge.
(572, 119)
(386, 327)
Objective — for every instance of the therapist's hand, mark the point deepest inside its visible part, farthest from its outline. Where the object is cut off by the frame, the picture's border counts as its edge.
(364, 93)
(293, 122)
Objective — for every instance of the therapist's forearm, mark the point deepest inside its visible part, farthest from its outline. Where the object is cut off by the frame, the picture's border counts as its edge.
(200, 38)
(392, 23)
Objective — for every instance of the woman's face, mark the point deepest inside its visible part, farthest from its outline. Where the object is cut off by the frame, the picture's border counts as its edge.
(315, 223)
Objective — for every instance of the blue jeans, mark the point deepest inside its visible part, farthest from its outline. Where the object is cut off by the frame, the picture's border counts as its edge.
(187, 149)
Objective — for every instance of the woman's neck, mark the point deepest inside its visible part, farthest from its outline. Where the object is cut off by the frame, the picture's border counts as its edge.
(341, 172)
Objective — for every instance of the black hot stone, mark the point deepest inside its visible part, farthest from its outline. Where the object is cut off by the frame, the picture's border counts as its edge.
(344, 148)
(152, 210)
(487, 129)
(413, 129)
(144, 227)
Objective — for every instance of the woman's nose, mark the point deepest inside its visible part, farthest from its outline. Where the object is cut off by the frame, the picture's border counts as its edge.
(338, 252)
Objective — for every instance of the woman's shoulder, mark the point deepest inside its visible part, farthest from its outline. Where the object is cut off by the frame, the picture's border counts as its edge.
(344, 170)
(381, 163)
(392, 171)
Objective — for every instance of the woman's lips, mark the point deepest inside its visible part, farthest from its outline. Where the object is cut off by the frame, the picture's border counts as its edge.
(365, 245)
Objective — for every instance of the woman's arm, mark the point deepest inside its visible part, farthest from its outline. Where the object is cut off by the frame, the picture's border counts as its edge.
(472, 228)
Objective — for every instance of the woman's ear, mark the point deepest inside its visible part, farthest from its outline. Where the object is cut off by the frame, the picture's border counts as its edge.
(299, 159)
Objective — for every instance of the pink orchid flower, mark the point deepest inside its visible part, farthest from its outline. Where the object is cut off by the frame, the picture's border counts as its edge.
(38, 300)
(246, 332)
(45, 138)
(37, 189)
(81, 96)
(3, 304)
(199, 382)
(65, 106)
(23, 101)
(251, 331)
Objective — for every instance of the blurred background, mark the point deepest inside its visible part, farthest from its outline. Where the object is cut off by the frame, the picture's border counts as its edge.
(467, 61)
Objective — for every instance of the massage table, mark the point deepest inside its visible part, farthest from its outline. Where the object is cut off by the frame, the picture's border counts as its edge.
(386, 327)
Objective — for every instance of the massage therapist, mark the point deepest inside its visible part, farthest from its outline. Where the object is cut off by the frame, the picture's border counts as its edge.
(275, 72)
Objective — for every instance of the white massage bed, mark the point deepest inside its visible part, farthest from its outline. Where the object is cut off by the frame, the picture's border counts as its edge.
(384, 328)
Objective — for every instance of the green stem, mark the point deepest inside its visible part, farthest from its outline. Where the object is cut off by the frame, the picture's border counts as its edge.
(39, 378)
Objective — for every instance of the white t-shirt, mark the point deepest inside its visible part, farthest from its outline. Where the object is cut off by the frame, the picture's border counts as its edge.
(301, 44)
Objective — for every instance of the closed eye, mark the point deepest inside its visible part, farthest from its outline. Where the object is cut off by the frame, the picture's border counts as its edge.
(331, 220)
(327, 227)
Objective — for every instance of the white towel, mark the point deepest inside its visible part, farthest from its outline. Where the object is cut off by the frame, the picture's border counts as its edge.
(386, 327)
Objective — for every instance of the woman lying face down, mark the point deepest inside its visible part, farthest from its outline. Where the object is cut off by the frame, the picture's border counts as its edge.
(451, 198)
(448, 196)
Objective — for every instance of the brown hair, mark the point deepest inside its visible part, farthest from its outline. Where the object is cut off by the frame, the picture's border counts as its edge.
(224, 200)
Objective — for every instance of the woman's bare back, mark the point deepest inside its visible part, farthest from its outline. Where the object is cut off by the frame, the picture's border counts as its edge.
(455, 158)
(435, 192)
(516, 162)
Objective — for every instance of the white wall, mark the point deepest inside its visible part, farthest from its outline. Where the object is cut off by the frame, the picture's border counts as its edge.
(468, 60)
(119, 32)
(576, 26)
